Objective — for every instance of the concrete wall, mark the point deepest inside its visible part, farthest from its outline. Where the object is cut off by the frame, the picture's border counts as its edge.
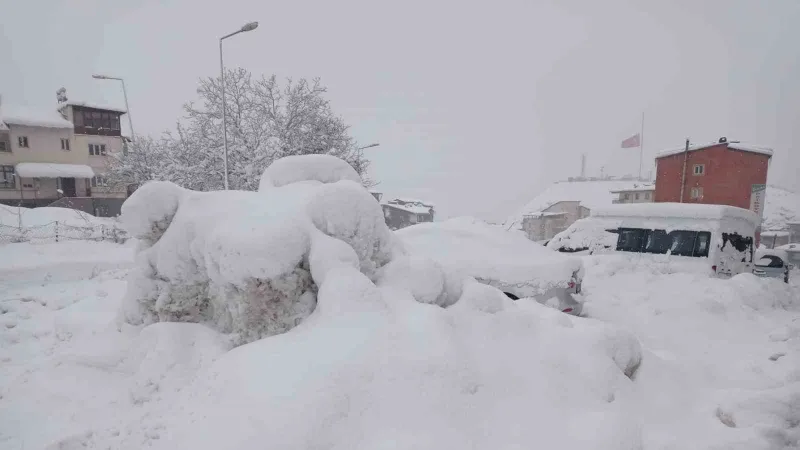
(727, 178)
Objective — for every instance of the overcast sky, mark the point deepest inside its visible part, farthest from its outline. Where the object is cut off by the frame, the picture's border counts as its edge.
(477, 106)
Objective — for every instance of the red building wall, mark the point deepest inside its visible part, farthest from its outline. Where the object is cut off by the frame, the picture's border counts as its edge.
(728, 177)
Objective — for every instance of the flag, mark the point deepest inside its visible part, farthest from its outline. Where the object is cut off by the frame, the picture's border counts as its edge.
(633, 141)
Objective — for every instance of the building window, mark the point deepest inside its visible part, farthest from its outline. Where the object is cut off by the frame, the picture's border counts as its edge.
(626, 196)
(4, 147)
(699, 169)
(647, 196)
(97, 119)
(7, 180)
(22, 141)
(697, 193)
(99, 181)
(97, 149)
(636, 196)
(65, 144)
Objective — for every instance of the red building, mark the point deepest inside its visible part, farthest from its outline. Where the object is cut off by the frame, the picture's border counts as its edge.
(721, 173)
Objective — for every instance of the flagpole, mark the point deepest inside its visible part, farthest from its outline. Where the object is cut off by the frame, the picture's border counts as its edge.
(641, 147)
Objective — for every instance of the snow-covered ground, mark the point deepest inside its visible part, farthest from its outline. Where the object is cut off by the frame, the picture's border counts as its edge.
(372, 368)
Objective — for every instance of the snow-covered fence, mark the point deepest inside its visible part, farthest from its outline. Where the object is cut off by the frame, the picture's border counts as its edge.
(59, 231)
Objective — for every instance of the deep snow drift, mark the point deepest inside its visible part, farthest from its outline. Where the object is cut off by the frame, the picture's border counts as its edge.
(372, 368)
(250, 263)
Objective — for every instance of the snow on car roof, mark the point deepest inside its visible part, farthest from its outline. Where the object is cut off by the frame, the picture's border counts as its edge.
(484, 251)
(675, 210)
(731, 145)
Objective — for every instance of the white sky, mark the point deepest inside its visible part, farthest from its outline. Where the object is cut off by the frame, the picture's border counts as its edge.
(477, 105)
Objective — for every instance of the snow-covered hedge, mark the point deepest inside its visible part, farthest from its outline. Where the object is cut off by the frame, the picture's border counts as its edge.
(250, 263)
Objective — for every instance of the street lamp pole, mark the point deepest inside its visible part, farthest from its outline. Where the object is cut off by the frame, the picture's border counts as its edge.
(125, 94)
(368, 146)
(247, 27)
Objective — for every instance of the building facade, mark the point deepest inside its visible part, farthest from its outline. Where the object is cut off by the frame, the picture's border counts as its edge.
(636, 194)
(60, 158)
(721, 173)
(543, 225)
(401, 213)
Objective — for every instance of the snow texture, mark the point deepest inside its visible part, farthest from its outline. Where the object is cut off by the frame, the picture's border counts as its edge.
(52, 170)
(372, 368)
(250, 263)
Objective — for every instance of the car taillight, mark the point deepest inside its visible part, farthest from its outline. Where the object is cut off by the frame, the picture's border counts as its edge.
(714, 268)
(567, 310)
(571, 284)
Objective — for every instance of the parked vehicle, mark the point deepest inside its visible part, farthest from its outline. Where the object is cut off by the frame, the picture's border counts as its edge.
(506, 260)
(772, 264)
(721, 237)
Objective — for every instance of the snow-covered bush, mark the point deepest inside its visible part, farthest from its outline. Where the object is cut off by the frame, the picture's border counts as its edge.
(250, 263)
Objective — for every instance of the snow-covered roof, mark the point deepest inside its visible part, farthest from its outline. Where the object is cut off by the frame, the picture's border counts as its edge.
(413, 200)
(50, 170)
(97, 106)
(590, 194)
(414, 209)
(27, 117)
(641, 188)
(544, 214)
(674, 210)
(735, 145)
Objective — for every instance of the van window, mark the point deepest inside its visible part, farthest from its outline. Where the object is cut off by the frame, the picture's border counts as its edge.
(631, 239)
(678, 242)
(742, 244)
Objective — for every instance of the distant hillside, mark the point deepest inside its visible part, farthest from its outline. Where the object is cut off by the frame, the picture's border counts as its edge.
(782, 205)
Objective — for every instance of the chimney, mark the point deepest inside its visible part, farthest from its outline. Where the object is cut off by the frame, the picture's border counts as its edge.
(583, 166)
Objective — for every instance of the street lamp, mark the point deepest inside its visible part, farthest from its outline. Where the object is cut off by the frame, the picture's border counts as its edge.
(124, 92)
(247, 27)
(368, 146)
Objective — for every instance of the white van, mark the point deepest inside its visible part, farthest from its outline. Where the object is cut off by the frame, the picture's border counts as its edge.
(719, 237)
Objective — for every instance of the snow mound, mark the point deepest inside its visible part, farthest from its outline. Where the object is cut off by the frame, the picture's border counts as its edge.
(372, 368)
(293, 169)
(469, 248)
(250, 263)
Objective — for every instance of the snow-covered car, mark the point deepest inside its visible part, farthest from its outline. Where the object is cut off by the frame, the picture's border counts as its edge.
(772, 264)
(506, 260)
